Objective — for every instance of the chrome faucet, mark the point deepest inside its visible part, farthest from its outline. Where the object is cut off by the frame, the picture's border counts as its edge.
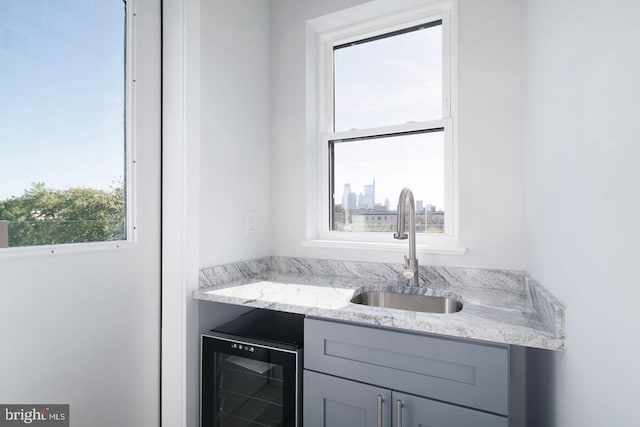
(411, 263)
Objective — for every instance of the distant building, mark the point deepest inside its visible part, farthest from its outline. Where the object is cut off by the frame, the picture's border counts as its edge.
(349, 200)
(372, 220)
(353, 201)
(382, 219)
(369, 200)
(361, 213)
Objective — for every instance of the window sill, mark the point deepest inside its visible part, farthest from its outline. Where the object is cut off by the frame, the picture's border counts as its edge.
(65, 249)
(439, 248)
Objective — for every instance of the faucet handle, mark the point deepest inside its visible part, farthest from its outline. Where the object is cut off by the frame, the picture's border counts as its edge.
(406, 262)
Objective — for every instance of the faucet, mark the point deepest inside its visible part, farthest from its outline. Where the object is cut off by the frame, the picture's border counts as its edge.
(411, 263)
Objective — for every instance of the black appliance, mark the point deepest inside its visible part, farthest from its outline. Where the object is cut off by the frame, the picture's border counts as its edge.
(252, 371)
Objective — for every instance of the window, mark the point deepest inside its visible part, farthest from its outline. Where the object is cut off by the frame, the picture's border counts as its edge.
(62, 122)
(385, 122)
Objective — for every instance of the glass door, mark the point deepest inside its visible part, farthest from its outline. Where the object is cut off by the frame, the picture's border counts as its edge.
(245, 384)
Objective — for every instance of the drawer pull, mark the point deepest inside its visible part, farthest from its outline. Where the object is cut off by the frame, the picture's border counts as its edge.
(380, 400)
(399, 412)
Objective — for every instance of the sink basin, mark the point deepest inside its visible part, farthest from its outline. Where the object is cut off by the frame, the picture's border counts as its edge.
(423, 303)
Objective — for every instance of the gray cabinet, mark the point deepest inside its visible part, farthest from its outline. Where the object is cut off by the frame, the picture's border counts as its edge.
(336, 402)
(363, 376)
(413, 411)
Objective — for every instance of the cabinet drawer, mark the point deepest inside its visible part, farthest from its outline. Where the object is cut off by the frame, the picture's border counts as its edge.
(464, 373)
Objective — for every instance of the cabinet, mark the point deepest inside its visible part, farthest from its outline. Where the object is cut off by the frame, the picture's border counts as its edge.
(363, 376)
(336, 402)
(416, 411)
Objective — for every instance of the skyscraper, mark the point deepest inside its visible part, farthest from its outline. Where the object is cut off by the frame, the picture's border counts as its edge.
(369, 200)
(349, 200)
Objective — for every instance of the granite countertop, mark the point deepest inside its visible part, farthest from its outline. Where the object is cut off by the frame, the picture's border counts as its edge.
(498, 306)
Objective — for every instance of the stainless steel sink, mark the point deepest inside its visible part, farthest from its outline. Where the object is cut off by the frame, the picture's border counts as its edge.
(410, 302)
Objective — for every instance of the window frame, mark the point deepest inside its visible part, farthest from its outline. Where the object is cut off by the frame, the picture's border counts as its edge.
(357, 30)
(129, 169)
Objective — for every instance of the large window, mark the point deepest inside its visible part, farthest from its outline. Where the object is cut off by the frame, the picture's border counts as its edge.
(385, 122)
(62, 122)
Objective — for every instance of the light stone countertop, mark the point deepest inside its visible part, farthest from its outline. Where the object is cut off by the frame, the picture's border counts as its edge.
(498, 306)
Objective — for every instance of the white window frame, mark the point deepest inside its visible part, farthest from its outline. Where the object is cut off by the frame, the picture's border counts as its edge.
(130, 179)
(351, 27)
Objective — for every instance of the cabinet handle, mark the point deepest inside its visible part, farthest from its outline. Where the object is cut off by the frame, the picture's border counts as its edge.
(380, 410)
(399, 412)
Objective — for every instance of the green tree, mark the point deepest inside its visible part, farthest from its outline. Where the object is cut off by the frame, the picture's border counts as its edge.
(42, 216)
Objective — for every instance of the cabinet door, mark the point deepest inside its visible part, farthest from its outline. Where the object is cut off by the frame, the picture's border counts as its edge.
(464, 373)
(335, 402)
(412, 411)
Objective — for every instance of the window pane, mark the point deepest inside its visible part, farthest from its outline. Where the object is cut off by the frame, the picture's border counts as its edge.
(391, 80)
(369, 174)
(62, 121)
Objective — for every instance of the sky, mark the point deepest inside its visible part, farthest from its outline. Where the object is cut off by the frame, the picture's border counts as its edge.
(62, 102)
(420, 157)
(61, 94)
(390, 81)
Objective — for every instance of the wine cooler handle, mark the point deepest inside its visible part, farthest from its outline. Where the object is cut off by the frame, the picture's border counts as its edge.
(399, 412)
(380, 410)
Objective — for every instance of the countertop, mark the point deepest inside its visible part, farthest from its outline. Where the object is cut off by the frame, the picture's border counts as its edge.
(499, 306)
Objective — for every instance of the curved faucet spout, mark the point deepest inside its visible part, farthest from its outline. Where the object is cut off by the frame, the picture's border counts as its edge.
(410, 263)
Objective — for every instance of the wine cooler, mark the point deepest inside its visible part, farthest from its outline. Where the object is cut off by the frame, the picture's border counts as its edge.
(252, 371)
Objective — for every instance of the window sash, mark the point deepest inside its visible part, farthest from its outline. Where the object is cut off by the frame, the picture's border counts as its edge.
(346, 116)
(333, 189)
(130, 179)
(444, 125)
(368, 30)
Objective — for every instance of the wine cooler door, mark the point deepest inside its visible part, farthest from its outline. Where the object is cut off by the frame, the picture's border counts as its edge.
(245, 384)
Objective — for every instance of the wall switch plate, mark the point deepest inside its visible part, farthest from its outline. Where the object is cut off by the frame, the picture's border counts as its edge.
(250, 222)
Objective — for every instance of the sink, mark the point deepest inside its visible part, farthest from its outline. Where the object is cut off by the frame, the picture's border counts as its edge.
(410, 302)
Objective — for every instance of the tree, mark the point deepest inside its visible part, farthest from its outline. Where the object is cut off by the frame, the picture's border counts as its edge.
(42, 216)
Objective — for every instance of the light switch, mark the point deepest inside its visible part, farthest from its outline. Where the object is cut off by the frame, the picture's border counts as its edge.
(250, 222)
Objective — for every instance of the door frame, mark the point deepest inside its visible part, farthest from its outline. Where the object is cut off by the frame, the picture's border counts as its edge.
(180, 214)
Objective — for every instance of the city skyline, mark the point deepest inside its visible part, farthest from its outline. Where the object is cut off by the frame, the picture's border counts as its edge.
(367, 199)
(416, 161)
(362, 213)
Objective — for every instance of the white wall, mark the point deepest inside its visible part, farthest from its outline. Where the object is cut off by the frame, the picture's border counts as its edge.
(582, 145)
(489, 134)
(80, 329)
(235, 153)
(235, 169)
(489, 125)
